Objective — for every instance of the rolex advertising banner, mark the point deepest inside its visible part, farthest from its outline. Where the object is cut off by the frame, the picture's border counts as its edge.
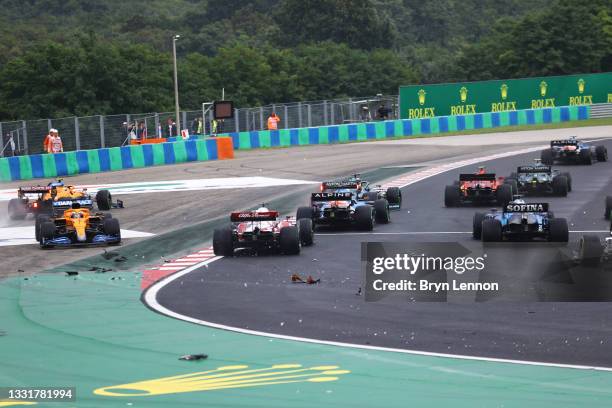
(464, 98)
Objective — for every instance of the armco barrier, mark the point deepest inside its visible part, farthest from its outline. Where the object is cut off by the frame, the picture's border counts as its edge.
(116, 158)
(404, 128)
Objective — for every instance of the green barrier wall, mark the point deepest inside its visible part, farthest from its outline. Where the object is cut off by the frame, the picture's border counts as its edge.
(404, 127)
(115, 158)
(424, 101)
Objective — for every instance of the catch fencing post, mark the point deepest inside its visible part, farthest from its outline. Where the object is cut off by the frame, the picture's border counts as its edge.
(236, 120)
(325, 122)
(102, 141)
(300, 114)
(331, 112)
(309, 115)
(49, 124)
(261, 118)
(157, 125)
(77, 135)
(286, 117)
(1, 141)
(25, 137)
(184, 122)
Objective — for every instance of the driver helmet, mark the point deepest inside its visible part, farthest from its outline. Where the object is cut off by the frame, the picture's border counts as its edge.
(262, 210)
(482, 169)
(537, 161)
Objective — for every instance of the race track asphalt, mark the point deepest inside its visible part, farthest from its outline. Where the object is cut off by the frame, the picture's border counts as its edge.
(529, 324)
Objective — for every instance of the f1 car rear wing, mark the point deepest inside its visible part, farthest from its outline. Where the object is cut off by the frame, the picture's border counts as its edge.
(347, 196)
(34, 189)
(566, 142)
(526, 208)
(477, 177)
(245, 216)
(330, 185)
(534, 169)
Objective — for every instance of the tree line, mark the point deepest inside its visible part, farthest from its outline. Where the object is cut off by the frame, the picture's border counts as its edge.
(76, 57)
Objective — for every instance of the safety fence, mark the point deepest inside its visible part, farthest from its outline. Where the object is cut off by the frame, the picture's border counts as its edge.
(112, 159)
(101, 131)
(404, 128)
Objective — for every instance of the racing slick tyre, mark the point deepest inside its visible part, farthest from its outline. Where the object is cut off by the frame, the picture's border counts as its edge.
(590, 250)
(306, 231)
(512, 183)
(452, 196)
(223, 242)
(111, 227)
(601, 153)
(394, 196)
(569, 180)
(477, 225)
(289, 241)
(304, 212)
(491, 231)
(364, 217)
(104, 200)
(47, 232)
(608, 210)
(560, 186)
(17, 209)
(40, 219)
(558, 230)
(504, 194)
(381, 211)
(585, 156)
(547, 157)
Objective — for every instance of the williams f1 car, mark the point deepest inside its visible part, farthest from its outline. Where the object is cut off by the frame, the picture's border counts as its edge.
(77, 226)
(478, 189)
(540, 179)
(573, 150)
(520, 221)
(54, 198)
(263, 230)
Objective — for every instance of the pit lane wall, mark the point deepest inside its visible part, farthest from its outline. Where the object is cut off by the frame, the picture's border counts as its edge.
(404, 127)
(112, 159)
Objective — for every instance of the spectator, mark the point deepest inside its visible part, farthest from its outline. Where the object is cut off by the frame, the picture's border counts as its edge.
(47, 142)
(9, 146)
(214, 127)
(171, 128)
(273, 121)
(141, 131)
(55, 143)
(197, 126)
(383, 112)
(365, 114)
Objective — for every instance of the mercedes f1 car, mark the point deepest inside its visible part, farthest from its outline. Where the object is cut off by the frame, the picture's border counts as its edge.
(346, 205)
(520, 221)
(263, 230)
(54, 198)
(366, 191)
(77, 226)
(573, 150)
(480, 188)
(540, 179)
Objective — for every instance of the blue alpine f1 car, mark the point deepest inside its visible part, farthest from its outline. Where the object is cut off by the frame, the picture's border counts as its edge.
(573, 150)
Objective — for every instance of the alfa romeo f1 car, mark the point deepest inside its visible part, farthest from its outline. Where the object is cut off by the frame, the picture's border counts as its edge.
(345, 205)
(55, 198)
(520, 221)
(77, 226)
(540, 179)
(478, 189)
(366, 191)
(263, 230)
(573, 150)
